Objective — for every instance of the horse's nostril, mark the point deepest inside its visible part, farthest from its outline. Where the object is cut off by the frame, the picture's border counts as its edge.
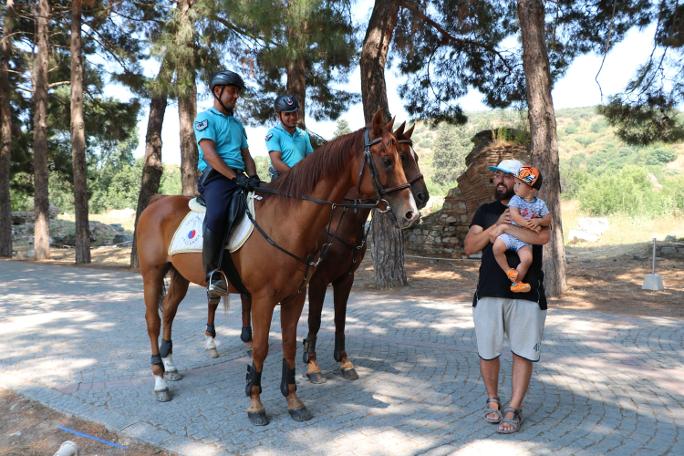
(421, 196)
(409, 215)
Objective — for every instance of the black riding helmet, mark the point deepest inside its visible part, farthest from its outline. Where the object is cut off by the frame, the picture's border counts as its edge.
(227, 77)
(285, 103)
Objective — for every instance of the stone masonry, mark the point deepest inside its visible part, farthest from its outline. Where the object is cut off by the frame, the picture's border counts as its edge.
(442, 232)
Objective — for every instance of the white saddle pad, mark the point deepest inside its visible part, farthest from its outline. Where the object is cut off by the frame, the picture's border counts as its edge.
(188, 235)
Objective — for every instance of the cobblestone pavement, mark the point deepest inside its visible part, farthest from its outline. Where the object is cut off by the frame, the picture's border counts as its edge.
(75, 339)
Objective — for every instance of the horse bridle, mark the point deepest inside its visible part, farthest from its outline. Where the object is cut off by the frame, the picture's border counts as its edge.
(368, 159)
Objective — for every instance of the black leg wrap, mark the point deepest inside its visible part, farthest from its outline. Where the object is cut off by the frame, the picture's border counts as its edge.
(287, 379)
(339, 347)
(211, 330)
(166, 348)
(156, 360)
(246, 334)
(253, 379)
(309, 347)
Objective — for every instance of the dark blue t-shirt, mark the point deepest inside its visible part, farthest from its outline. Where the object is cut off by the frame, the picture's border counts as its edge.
(493, 282)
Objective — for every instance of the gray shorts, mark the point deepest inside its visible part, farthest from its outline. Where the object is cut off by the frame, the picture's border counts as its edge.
(512, 243)
(521, 320)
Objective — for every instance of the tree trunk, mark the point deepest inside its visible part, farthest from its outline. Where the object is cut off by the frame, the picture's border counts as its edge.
(152, 167)
(387, 248)
(296, 69)
(187, 100)
(296, 85)
(6, 134)
(41, 243)
(542, 120)
(374, 57)
(78, 155)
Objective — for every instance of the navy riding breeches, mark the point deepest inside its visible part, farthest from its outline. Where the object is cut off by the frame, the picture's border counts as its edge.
(217, 191)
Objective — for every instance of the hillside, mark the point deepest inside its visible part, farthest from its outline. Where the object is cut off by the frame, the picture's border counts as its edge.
(582, 134)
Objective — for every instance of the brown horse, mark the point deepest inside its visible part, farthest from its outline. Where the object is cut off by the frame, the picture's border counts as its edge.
(339, 265)
(367, 160)
(342, 261)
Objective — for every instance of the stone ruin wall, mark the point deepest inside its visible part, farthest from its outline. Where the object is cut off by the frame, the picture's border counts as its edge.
(442, 233)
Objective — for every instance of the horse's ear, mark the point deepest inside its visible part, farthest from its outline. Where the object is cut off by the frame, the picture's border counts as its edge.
(390, 124)
(400, 130)
(378, 123)
(409, 132)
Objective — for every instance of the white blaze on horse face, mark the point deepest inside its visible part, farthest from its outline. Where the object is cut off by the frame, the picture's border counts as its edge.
(168, 363)
(160, 384)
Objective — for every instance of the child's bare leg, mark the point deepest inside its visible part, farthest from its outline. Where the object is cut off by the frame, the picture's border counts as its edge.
(499, 249)
(525, 255)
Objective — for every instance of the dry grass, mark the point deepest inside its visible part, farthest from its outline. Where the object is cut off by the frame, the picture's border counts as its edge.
(624, 229)
(124, 217)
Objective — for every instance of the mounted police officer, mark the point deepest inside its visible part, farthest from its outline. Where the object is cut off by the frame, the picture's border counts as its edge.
(287, 144)
(223, 158)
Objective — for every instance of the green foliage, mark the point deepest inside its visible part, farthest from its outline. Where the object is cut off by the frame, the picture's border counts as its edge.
(262, 164)
(342, 128)
(170, 181)
(449, 156)
(629, 191)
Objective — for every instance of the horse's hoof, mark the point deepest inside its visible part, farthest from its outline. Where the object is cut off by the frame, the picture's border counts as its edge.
(316, 378)
(300, 414)
(172, 375)
(213, 353)
(163, 395)
(258, 418)
(350, 374)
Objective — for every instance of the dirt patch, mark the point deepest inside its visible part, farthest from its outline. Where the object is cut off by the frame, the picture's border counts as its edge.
(28, 428)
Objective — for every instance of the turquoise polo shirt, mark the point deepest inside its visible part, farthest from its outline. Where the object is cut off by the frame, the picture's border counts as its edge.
(293, 147)
(226, 132)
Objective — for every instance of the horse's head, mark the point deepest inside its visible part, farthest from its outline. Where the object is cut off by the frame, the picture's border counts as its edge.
(409, 161)
(381, 174)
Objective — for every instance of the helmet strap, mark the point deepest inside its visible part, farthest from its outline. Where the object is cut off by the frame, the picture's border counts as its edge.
(229, 111)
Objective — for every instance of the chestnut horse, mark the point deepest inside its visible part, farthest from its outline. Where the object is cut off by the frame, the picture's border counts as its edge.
(274, 270)
(339, 265)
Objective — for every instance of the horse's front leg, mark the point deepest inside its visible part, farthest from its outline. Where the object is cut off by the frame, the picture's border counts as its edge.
(262, 313)
(210, 331)
(317, 289)
(246, 334)
(342, 288)
(178, 287)
(290, 311)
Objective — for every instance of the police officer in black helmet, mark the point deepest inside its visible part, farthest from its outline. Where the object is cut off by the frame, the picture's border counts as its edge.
(223, 159)
(287, 144)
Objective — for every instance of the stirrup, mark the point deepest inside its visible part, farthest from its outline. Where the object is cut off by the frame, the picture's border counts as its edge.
(214, 288)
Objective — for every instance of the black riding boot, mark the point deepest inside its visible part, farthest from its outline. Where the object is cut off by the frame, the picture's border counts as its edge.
(211, 255)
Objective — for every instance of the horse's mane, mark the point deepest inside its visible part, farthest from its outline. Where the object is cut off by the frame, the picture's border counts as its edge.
(327, 160)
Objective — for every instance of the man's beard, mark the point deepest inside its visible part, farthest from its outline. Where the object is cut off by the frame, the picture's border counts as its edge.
(508, 194)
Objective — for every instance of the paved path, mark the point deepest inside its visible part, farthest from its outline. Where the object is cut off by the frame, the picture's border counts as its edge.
(75, 339)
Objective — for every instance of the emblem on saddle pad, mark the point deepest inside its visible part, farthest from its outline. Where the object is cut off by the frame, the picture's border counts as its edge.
(201, 125)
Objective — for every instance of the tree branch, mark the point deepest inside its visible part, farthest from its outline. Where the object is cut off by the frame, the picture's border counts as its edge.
(448, 37)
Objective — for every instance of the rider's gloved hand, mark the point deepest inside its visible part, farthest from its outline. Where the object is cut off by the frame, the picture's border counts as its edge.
(254, 181)
(242, 181)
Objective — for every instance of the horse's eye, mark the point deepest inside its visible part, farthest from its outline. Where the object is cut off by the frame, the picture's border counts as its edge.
(404, 159)
(387, 162)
